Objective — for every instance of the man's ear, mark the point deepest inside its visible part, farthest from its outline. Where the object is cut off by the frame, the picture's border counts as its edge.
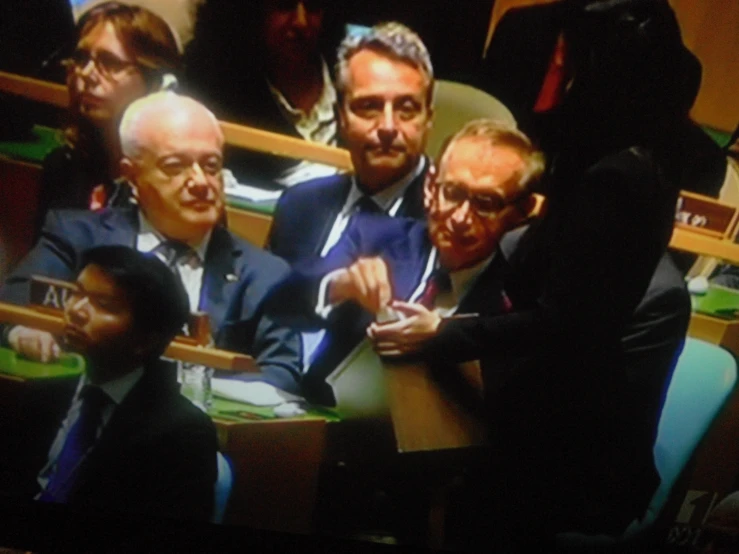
(429, 187)
(128, 172)
(341, 118)
(520, 212)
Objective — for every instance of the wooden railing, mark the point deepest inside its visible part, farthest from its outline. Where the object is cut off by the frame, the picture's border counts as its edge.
(710, 233)
(180, 348)
(236, 135)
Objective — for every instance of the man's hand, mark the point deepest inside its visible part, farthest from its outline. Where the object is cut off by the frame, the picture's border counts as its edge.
(366, 282)
(405, 336)
(39, 346)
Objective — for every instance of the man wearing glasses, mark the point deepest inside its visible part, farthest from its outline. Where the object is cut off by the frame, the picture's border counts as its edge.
(172, 148)
(410, 274)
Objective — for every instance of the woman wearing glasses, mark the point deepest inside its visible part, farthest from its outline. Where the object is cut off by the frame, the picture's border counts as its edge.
(122, 53)
(267, 64)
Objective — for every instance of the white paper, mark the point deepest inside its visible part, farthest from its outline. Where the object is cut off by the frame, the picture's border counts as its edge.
(255, 393)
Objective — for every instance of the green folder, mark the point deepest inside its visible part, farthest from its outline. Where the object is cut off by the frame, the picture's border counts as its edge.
(69, 365)
(718, 302)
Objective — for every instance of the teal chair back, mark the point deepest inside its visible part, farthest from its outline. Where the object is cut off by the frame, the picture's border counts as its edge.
(703, 380)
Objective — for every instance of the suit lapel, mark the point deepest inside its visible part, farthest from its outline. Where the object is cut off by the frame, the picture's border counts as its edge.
(130, 418)
(412, 205)
(119, 226)
(408, 258)
(220, 277)
(487, 297)
(331, 202)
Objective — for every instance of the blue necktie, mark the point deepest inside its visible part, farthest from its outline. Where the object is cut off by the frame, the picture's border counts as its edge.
(80, 439)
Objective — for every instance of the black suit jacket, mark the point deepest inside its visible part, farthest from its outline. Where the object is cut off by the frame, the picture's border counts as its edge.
(156, 455)
(237, 277)
(564, 402)
(404, 245)
(306, 212)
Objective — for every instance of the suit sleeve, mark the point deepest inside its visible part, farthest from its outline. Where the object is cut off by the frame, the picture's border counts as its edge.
(294, 301)
(279, 241)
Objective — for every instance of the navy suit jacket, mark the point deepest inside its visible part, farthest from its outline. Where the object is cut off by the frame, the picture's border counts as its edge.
(234, 304)
(156, 455)
(404, 245)
(306, 212)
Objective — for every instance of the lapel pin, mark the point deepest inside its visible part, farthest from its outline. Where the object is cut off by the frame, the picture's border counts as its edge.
(231, 278)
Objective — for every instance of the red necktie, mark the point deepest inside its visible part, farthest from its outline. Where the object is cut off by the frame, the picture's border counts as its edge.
(437, 283)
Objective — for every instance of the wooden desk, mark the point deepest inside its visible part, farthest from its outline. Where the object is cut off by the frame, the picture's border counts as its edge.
(709, 324)
(276, 465)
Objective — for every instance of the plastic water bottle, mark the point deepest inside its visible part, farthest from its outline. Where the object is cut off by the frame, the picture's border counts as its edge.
(196, 384)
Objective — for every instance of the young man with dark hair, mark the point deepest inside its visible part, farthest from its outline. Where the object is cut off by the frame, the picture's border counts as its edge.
(130, 441)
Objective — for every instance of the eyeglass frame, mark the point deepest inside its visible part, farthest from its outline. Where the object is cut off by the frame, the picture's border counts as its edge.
(474, 199)
(73, 63)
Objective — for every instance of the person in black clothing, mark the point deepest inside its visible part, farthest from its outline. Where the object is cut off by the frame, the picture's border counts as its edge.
(122, 53)
(130, 441)
(571, 448)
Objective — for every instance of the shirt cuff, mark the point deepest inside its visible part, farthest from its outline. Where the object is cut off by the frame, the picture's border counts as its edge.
(323, 308)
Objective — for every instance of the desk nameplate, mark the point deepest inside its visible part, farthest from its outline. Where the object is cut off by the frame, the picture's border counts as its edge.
(705, 215)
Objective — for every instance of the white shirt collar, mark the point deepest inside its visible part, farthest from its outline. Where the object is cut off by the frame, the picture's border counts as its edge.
(388, 198)
(149, 238)
(322, 110)
(117, 389)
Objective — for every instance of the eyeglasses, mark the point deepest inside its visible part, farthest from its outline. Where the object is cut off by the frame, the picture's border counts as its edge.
(108, 65)
(484, 205)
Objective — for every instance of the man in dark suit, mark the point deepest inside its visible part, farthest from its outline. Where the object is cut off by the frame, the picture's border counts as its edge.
(481, 191)
(384, 91)
(130, 441)
(172, 158)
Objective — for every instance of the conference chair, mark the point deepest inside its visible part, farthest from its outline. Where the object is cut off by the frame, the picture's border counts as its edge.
(703, 380)
(222, 489)
(454, 105)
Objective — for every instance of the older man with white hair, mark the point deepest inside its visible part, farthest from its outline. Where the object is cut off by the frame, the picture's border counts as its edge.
(172, 158)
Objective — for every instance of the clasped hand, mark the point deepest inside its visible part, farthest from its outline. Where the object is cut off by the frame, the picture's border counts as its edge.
(406, 335)
(367, 282)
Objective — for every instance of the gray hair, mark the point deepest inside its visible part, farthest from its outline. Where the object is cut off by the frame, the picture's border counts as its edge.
(392, 39)
(152, 107)
(501, 133)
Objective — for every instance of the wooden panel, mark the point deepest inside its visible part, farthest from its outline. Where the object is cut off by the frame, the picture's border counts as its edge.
(19, 189)
(709, 30)
(250, 226)
(698, 243)
(716, 331)
(276, 467)
(237, 135)
(424, 417)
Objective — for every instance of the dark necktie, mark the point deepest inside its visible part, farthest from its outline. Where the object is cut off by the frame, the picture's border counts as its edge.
(437, 283)
(171, 251)
(79, 440)
(367, 205)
